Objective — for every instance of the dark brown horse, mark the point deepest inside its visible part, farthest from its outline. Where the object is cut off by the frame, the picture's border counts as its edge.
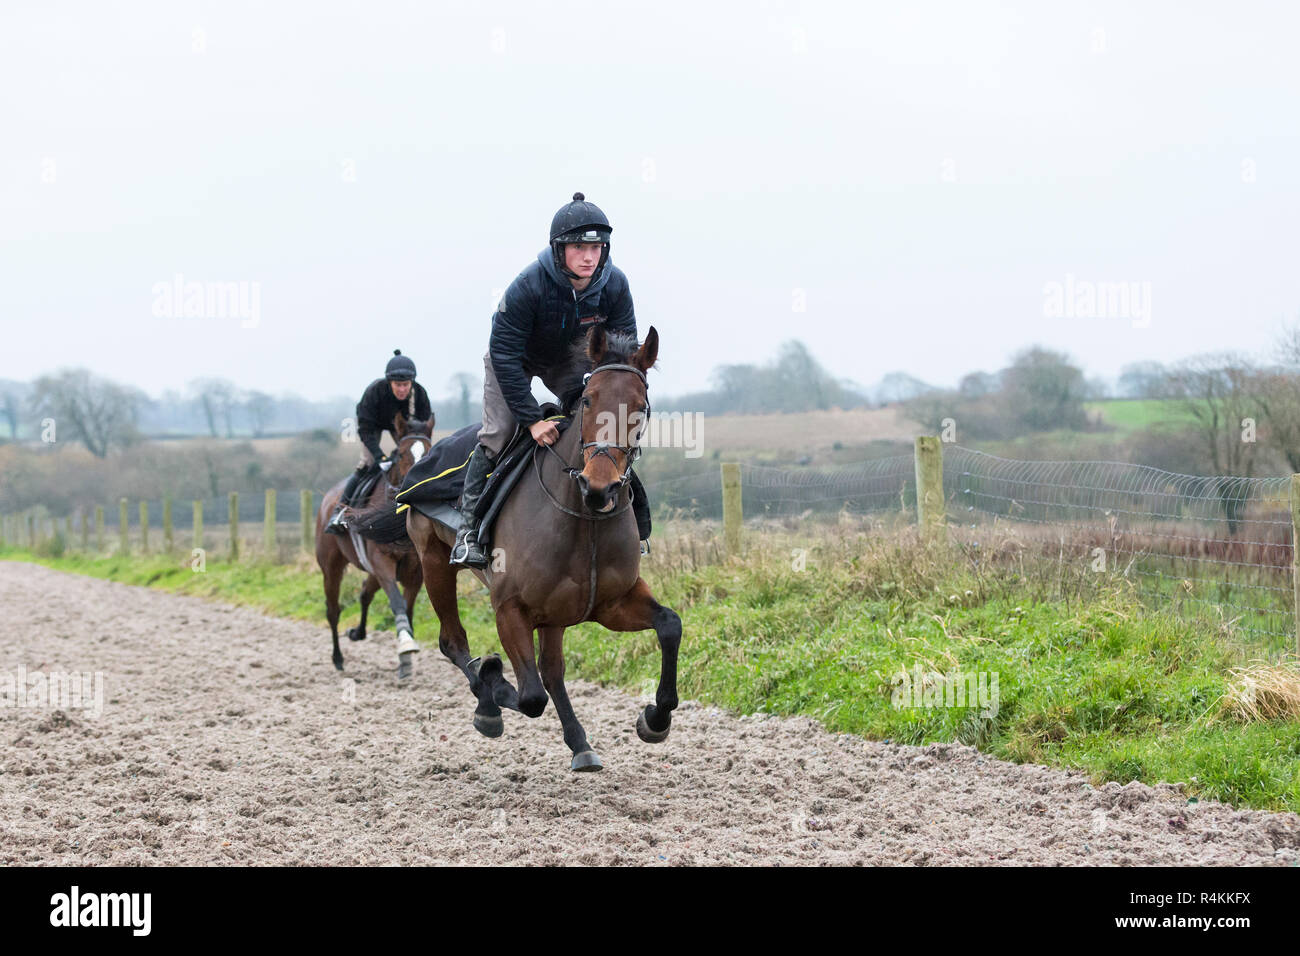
(565, 551)
(386, 565)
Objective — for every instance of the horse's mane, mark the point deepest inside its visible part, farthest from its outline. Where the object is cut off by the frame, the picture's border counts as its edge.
(619, 348)
(418, 425)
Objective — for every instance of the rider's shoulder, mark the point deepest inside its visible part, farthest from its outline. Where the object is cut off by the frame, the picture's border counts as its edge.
(617, 281)
(530, 281)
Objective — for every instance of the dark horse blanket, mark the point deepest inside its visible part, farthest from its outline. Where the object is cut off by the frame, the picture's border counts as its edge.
(439, 476)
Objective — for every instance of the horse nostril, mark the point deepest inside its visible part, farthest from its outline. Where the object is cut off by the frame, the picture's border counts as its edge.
(583, 484)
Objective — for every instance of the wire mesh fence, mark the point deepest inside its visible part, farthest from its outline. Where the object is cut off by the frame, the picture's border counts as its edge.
(884, 484)
(1217, 548)
(1210, 547)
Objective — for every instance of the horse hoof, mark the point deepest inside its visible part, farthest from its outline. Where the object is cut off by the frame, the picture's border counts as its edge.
(338, 663)
(405, 666)
(406, 643)
(585, 762)
(355, 634)
(650, 736)
(489, 726)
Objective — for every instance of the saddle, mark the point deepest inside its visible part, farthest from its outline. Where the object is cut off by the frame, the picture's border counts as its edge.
(433, 485)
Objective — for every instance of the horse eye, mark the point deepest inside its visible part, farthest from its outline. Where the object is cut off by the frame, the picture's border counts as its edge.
(586, 402)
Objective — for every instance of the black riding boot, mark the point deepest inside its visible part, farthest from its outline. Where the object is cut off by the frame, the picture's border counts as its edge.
(335, 525)
(641, 509)
(466, 550)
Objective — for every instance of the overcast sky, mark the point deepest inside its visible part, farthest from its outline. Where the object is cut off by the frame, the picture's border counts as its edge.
(895, 184)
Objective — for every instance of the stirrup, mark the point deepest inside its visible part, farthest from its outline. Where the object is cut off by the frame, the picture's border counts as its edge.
(645, 545)
(465, 550)
(336, 523)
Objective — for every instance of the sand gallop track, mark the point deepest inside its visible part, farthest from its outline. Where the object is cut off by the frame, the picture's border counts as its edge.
(227, 737)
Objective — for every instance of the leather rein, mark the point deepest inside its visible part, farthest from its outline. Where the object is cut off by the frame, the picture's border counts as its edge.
(630, 452)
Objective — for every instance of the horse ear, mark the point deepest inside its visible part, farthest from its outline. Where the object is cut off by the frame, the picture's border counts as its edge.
(399, 425)
(645, 356)
(597, 341)
(429, 424)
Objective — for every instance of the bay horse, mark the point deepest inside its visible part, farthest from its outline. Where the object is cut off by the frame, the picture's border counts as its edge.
(566, 550)
(386, 565)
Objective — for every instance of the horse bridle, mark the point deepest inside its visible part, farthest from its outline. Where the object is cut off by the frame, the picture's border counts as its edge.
(631, 451)
(410, 436)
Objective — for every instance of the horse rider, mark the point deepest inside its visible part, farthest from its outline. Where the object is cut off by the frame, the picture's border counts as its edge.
(556, 299)
(397, 391)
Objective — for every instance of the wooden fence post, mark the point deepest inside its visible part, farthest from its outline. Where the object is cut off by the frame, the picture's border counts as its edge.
(1295, 565)
(31, 531)
(308, 526)
(99, 529)
(67, 530)
(121, 526)
(929, 486)
(268, 525)
(85, 531)
(732, 512)
(169, 541)
(234, 526)
(144, 527)
(198, 525)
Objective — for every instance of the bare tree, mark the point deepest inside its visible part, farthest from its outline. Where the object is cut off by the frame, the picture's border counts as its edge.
(11, 408)
(217, 397)
(1220, 393)
(1279, 397)
(99, 413)
(1141, 380)
(261, 408)
(466, 384)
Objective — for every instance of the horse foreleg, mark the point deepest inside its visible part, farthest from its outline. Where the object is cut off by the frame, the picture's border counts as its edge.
(386, 571)
(551, 640)
(637, 611)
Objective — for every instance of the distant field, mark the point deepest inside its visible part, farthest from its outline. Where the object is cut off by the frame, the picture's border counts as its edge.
(1135, 414)
(807, 432)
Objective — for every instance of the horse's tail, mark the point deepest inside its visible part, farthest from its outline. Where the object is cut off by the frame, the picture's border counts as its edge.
(379, 523)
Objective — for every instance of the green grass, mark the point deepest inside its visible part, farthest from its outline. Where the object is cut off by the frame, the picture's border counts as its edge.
(1087, 678)
(1136, 414)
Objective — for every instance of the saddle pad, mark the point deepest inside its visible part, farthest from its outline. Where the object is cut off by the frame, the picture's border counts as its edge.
(446, 512)
(440, 474)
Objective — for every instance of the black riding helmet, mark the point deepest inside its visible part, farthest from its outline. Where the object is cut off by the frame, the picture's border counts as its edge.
(579, 221)
(400, 368)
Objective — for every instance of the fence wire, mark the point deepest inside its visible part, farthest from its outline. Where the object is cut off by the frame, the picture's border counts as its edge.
(1211, 547)
(1214, 547)
(884, 484)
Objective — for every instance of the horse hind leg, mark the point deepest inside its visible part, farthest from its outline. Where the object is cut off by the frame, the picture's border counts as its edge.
(368, 590)
(440, 585)
(333, 575)
(485, 673)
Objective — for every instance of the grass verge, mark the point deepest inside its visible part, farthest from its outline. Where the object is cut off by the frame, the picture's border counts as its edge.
(1076, 672)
